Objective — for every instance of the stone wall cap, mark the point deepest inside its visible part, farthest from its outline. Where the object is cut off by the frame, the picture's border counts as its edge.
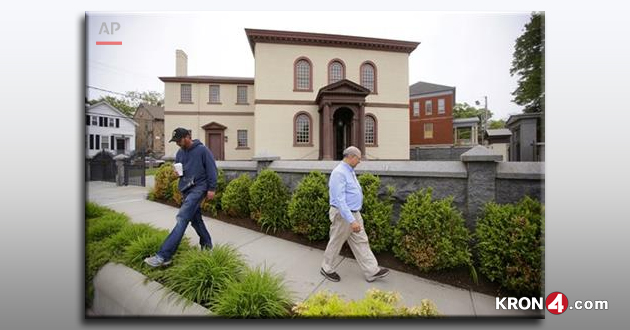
(392, 168)
(481, 154)
(121, 157)
(236, 164)
(266, 158)
(521, 170)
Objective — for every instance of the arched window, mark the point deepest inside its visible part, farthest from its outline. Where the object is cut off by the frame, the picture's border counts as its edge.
(303, 129)
(303, 75)
(368, 76)
(336, 71)
(370, 130)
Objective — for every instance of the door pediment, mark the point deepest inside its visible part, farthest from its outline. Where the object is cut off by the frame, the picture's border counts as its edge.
(342, 89)
(213, 126)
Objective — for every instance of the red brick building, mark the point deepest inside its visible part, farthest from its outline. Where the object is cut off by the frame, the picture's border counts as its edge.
(431, 114)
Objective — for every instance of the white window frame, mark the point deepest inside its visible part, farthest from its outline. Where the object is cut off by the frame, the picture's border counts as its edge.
(181, 93)
(240, 138)
(104, 142)
(441, 106)
(302, 129)
(370, 136)
(428, 107)
(94, 120)
(426, 131)
(218, 99)
(416, 108)
(238, 95)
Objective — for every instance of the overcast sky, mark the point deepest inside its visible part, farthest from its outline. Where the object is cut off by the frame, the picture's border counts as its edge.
(469, 50)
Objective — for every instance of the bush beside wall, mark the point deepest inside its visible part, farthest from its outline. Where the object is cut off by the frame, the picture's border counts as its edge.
(510, 245)
(235, 200)
(431, 234)
(376, 213)
(268, 201)
(308, 209)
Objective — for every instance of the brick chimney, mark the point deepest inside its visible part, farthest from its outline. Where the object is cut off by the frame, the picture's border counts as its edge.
(181, 63)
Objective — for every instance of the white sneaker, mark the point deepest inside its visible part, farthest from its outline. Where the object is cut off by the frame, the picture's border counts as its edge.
(157, 261)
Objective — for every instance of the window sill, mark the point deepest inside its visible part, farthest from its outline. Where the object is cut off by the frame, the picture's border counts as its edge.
(242, 148)
(302, 144)
(241, 103)
(181, 102)
(214, 103)
(375, 145)
(303, 90)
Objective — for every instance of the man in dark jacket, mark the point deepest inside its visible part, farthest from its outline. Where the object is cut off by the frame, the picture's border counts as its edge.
(198, 181)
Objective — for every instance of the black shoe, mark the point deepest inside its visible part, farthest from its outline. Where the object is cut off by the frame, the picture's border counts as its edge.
(381, 273)
(331, 276)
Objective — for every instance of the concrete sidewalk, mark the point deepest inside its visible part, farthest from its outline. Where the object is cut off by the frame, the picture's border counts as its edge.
(298, 263)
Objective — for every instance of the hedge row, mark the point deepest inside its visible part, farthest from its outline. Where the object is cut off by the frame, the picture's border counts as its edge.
(430, 234)
(218, 279)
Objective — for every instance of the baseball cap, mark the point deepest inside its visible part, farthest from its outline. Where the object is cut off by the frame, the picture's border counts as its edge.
(178, 134)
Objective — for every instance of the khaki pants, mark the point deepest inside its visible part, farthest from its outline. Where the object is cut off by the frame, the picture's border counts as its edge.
(340, 231)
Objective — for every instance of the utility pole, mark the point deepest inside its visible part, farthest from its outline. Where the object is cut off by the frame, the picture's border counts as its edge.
(484, 118)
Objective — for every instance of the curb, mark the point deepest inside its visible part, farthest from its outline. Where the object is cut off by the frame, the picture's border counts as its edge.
(122, 291)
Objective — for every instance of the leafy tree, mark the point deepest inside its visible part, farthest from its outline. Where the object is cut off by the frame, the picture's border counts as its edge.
(529, 63)
(465, 110)
(128, 103)
(494, 124)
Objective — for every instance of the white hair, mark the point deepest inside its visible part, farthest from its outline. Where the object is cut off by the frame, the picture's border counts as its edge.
(352, 150)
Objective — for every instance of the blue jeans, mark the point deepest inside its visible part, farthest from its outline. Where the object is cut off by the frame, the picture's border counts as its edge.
(190, 211)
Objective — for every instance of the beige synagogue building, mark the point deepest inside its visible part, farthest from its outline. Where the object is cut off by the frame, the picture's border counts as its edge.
(312, 96)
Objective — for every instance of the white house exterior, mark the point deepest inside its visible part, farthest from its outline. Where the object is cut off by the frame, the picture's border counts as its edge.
(108, 129)
(312, 96)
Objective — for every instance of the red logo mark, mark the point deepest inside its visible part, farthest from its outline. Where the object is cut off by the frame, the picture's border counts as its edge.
(557, 303)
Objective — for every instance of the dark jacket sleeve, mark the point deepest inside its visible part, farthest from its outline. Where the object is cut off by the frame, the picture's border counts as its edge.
(211, 170)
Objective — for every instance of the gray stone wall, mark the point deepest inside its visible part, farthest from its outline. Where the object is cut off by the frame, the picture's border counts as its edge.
(477, 178)
(452, 153)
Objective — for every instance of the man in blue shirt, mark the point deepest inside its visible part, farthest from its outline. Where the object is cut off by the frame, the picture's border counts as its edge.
(346, 200)
(198, 181)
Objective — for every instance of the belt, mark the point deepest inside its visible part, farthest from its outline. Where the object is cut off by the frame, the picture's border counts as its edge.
(353, 211)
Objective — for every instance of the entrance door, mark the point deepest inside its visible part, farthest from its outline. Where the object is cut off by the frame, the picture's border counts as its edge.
(120, 146)
(215, 143)
(342, 121)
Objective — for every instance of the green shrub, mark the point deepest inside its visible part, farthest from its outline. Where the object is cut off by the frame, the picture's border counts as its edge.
(377, 214)
(213, 206)
(510, 245)
(200, 275)
(146, 245)
(376, 303)
(163, 178)
(268, 201)
(431, 234)
(117, 243)
(308, 208)
(97, 255)
(259, 294)
(174, 193)
(104, 226)
(235, 200)
(143, 246)
(93, 210)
